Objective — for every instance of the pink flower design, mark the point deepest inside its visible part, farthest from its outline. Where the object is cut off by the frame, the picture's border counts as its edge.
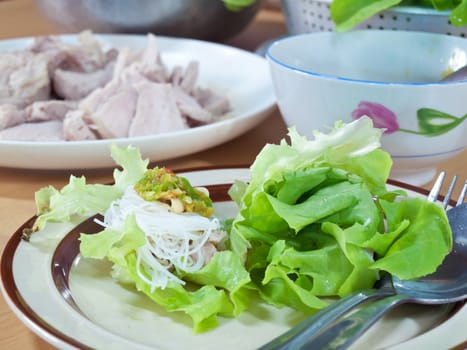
(382, 116)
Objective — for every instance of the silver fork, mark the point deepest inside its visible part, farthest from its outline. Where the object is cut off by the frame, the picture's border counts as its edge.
(301, 336)
(436, 189)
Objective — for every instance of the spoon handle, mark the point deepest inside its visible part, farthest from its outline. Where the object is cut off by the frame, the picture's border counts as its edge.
(299, 335)
(347, 330)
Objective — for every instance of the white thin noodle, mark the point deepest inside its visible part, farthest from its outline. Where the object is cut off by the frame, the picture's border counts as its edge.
(173, 241)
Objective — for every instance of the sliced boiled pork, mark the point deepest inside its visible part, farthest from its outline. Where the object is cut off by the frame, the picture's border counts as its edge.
(24, 78)
(82, 92)
(156, 110)
(42, 131)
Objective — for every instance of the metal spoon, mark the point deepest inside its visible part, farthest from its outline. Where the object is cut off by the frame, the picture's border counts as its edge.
(457, 75)
(298, 336)
(447, 285)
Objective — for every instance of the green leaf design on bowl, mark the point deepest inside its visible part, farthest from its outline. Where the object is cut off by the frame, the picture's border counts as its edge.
(432, 122)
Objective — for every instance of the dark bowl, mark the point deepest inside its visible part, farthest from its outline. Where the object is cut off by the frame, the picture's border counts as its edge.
(200, 19)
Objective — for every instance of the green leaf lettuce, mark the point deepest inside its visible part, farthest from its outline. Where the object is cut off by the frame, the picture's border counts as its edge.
(317, 220)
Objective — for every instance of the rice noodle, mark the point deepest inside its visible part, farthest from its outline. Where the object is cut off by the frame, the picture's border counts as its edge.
(173, 241)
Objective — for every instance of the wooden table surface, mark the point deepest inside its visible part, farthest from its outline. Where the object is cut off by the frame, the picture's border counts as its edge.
(20, 18)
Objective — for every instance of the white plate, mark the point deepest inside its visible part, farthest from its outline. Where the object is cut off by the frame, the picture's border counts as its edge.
(73, 303)
(240, 75)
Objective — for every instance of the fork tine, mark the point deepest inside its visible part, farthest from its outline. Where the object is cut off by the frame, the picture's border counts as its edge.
(461, 198)
(448, 195)
(436, 189)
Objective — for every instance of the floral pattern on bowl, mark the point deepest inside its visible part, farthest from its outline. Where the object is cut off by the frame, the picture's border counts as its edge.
(431, 122)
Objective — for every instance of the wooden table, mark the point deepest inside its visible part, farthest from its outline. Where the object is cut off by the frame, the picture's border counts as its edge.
(20, 18)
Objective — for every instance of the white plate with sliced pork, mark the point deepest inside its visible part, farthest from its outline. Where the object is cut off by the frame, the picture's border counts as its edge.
(65, 99)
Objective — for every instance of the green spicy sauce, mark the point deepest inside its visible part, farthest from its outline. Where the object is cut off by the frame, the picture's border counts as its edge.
(161, 184)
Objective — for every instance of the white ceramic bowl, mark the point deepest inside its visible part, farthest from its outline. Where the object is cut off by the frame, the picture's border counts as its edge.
(391, 76)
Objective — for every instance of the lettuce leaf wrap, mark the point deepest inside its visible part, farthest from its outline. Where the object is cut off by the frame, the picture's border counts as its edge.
(215, 289)
(316, 219)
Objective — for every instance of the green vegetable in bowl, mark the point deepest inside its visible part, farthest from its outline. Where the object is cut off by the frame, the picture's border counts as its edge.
(237, 5)
(348, 13)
